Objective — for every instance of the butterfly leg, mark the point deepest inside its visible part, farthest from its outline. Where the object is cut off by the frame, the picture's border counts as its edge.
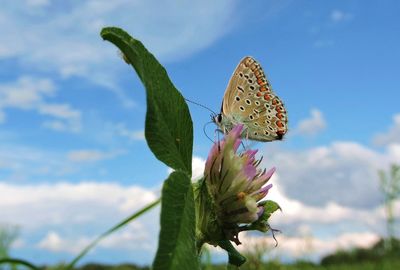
(216, 137)
(247, 140)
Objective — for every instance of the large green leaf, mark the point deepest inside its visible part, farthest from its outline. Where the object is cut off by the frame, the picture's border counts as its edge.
(177, 243)
(169, 130)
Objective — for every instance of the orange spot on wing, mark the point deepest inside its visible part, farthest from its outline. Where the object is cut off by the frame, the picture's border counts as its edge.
(266, 97)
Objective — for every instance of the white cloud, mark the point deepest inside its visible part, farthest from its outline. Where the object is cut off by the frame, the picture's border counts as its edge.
(59, 110)
(26, 93)
(66, 210)
(132, 135)
(307, 245)
(394, 151)
(331, 214)
(126, 239)
(342, 172)
(29, 93)
(61, 126)
(198, 165)
(338, 16)
(37, 3)
(312, 125)
(21, 163)
(67, 204)
(65, 217)
(64, 37)
(53, 242)
(26, 163)
(392, 135)
(87, 155)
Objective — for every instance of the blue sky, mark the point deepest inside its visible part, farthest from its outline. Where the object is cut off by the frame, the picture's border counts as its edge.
(73, 159)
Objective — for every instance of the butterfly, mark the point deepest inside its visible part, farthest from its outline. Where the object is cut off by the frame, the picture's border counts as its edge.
(249, 100)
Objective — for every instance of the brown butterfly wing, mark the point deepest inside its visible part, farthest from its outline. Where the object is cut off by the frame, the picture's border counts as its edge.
(250, 100)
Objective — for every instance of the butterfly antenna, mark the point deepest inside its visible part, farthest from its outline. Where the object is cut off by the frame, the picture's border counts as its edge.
(201, 105)
(204, 130)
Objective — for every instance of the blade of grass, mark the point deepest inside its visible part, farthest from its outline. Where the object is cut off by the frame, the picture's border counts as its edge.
(109, 231)
(18, 262)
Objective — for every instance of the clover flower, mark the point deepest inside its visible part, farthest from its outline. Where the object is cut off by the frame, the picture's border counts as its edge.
(235, 185)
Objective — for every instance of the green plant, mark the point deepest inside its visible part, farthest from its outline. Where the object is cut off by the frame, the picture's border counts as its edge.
(390, 187)
(215, 209)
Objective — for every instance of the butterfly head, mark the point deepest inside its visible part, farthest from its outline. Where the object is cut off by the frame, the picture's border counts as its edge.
(216, 118)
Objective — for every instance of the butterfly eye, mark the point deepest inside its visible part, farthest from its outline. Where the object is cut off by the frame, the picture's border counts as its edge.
(251, 117)
(266, 105)
(237, 98)
(257, 103)
(248, 101)
(241, 108)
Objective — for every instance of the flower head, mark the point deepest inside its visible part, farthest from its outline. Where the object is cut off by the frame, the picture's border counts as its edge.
(236, 184)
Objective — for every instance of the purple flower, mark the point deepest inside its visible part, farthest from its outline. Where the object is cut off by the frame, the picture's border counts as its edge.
(235, 185)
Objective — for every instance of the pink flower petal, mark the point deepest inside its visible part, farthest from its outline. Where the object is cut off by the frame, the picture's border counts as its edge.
(250, 171)
(236, 131)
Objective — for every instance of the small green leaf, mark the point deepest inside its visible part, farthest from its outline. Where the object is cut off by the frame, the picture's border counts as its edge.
(177, 243)
(169, 128)
(269, 208)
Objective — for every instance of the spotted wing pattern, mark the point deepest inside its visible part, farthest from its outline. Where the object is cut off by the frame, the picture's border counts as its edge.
(250, 100)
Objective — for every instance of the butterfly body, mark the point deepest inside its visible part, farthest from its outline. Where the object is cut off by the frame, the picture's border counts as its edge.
(250, 100)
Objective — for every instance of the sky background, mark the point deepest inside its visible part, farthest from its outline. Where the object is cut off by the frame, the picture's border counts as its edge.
(73, 159)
